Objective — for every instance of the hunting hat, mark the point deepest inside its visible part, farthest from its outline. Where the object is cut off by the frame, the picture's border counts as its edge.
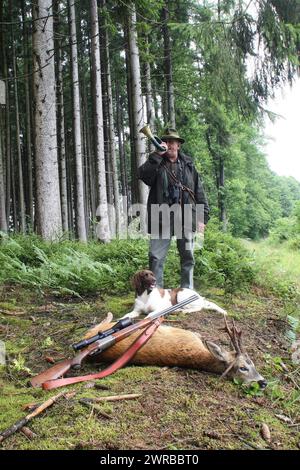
(171, 133)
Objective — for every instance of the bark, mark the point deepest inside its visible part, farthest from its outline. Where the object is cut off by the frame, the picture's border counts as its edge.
(61, 145)
(111, 137)
(149, 97)
(121, 138)
(3, 221)
(168, 68)
(21, 200)
(137, 99)
(103, 232)
(7, 141)
(133, 192)
(3, 216)
(47, 177)
(77, 133)
(28, 133)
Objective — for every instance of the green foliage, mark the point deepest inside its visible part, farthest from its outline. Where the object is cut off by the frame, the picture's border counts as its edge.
(288, 229)
(72, 268)
(224, 262)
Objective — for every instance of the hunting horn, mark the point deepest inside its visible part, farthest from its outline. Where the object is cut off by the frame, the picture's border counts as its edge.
(156, 141)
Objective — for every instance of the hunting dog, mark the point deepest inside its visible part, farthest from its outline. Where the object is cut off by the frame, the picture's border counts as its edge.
(150, 298)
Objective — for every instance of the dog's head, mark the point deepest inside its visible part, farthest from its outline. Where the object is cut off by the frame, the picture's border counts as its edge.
(143, 280)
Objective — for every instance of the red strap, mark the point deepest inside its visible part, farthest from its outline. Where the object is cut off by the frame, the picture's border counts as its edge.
(120, 362)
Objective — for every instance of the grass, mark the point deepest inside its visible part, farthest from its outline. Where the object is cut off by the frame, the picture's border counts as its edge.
(276, 261)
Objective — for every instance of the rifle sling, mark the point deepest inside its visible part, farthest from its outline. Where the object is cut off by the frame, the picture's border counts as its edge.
(120, 362)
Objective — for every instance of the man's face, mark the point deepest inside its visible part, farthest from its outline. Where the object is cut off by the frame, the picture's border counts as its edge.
(173, 147)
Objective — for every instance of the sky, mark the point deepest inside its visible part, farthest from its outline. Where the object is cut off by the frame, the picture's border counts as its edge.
(283, 142)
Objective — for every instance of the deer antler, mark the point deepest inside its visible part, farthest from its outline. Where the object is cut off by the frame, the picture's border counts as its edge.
(235, 336)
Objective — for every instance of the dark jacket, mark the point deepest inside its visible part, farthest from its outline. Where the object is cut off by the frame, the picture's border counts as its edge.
(154, 174)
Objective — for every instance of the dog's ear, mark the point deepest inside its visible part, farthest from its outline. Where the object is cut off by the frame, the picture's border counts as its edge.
(137, 282)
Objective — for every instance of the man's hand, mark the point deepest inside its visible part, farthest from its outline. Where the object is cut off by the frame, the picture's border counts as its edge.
(163, 144)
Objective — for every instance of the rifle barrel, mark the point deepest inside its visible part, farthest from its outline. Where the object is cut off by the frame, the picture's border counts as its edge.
(58, 370)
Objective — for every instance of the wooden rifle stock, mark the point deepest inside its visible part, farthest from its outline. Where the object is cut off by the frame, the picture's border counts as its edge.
(58, 370)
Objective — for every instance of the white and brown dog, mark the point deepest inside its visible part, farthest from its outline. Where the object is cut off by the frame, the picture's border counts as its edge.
(150, 298)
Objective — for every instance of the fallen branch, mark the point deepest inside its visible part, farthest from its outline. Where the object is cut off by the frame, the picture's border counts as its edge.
(22, 422)
(28, 433)
(111, 398)
(12, 312)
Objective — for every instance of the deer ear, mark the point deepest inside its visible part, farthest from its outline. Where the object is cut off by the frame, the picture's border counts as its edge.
(218, 352)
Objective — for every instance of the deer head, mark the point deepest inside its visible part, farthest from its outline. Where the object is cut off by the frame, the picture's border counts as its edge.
(237, 363)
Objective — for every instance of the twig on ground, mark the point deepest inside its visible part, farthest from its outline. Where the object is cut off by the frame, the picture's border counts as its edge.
(28, 433)
(22, 422)
(110, 398)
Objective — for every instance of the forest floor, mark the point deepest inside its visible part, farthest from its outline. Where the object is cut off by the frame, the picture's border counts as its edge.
(178, 409)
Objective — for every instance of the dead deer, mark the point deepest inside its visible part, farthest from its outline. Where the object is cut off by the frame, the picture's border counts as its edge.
(171, 346)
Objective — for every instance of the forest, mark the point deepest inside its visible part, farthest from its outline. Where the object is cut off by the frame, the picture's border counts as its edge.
(78, 81)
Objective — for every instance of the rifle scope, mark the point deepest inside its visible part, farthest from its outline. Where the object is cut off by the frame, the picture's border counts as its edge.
(103, 334)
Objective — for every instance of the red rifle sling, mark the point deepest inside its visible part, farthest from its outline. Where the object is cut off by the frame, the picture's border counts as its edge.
(120, 362)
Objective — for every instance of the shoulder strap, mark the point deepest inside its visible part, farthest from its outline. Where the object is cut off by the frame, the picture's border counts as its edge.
(120, 362)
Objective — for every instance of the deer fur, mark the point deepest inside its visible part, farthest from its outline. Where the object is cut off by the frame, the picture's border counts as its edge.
(171, 346)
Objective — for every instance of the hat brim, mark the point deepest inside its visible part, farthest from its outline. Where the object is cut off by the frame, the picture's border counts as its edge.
(164, 138)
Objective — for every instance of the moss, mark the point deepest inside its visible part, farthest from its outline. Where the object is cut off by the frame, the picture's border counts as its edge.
(119, 305)
(177, 407)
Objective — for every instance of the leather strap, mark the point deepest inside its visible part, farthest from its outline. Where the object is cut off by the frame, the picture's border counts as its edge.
(120, 362)
(180, 185)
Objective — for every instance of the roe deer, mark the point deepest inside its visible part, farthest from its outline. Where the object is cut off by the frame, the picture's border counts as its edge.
(171, 346)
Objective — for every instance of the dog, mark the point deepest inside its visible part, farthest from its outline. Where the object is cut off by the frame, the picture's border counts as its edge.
(150, 298)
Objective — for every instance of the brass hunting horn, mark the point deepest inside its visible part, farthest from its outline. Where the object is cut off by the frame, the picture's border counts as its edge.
(156, 141)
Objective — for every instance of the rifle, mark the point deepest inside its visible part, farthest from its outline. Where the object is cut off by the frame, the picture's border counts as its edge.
(58, 370)
(103, 334)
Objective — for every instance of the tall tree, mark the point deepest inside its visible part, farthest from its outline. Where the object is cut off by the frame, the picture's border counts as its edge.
(3, 221)
(77, 131)
(28, 133)
(61, 145)
(111, 127)
(137, 100)
(20, 192)
(103, 230)
(47, 178)
(168, 67)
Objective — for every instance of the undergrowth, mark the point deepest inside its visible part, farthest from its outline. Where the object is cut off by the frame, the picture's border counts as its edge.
(74, 268)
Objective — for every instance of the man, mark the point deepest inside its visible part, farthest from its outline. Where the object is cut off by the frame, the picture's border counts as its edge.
(174, 184)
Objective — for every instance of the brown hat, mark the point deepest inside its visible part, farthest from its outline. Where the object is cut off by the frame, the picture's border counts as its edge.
(171, 133)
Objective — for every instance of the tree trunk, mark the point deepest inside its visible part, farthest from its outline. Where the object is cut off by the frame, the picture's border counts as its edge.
(168, 69)
(149, 97)
(221, 195)
(28, 120)
(3, 221)
(122, 155)
(61, 145)
(3, 216)
(80, 213)
(47, 177)
(133, 192)
(137, 100)
(219, 169)
(111, 134)
(21, 200)
(102, 230)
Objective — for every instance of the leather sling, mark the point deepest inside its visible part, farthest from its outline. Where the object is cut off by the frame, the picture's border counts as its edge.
(120, 362)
